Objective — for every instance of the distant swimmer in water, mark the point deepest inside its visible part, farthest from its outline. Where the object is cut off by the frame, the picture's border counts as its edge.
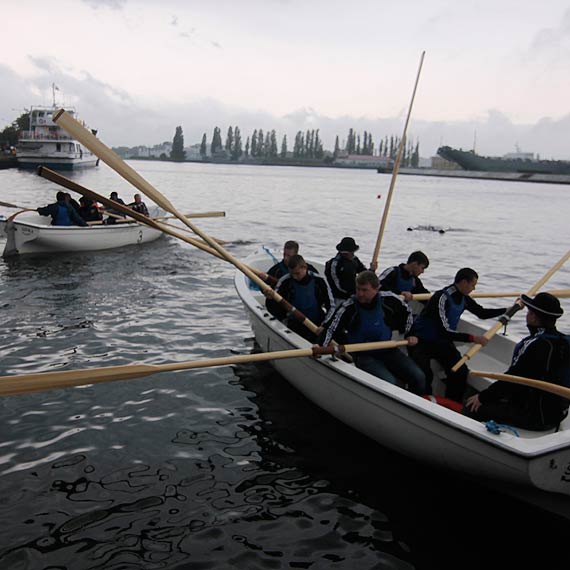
(427, 229)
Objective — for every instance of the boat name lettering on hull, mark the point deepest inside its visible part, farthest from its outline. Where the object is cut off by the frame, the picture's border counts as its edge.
(566, 475)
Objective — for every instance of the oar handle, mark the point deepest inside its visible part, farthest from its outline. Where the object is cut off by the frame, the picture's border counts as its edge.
(533, 383)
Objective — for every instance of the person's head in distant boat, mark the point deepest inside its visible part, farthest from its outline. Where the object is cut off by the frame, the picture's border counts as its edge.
(367, 287)
(297, 267)
(417, 263)
(543, 310)
(86, 202)
(466, 280)
(290, 248)
(138, 198)
(346, 247)
(114, 196)
(60, 196)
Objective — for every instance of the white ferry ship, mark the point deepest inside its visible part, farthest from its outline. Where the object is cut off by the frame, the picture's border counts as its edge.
(47, 144)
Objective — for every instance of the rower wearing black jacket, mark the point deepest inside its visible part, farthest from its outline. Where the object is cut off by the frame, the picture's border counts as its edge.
(543, 355)
(342, 269)
(436, 329)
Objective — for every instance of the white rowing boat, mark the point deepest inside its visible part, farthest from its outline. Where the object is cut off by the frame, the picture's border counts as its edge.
(31, 233)
(412, 425)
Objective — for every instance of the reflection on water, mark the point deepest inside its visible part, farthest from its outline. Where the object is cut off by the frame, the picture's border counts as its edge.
(223, 468)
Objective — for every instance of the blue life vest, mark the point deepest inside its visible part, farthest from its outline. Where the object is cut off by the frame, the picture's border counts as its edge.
(425, 328)
(403, 284)
(368, 325)
(62, 217)
(304, 298)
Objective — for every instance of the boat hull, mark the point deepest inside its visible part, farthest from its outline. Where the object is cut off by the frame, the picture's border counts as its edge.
(412, 425)
(63, 163)
(475, 162)
(30, 237)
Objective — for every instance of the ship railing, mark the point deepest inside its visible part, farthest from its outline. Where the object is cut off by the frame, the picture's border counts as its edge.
(33, 135)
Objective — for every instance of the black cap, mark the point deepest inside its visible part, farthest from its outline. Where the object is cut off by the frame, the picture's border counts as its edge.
(347, 244)
(545, 304)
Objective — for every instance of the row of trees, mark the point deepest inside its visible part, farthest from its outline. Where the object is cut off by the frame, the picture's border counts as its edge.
(306, 145)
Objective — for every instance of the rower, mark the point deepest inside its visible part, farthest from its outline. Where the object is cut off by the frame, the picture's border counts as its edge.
(436, 329)
(370, 315)
(138, 205)
(307, 291)
(543, 355)
(115, 197)
(404, 279)
(61, 212)
(290, 248)
(342, 269)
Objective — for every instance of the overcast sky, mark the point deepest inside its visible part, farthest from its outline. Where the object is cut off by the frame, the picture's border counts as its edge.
(496, 72)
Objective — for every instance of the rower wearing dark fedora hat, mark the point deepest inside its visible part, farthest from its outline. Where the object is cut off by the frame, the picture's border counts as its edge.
(543, 355)
(341, 270)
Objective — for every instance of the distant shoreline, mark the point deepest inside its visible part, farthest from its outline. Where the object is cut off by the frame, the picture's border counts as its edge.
(477, 175)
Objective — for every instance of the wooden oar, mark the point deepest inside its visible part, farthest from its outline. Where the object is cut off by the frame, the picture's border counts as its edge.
(196, 215)
(26, 383)
(86, 137)
(374, 262)
(561, 293)
(124, 220)
(538, 384)
(8, 205)
(162, 223)
(506, 317)
(18, 213)
(49, 174)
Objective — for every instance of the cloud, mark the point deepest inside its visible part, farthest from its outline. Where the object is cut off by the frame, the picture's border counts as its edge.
(112, 4)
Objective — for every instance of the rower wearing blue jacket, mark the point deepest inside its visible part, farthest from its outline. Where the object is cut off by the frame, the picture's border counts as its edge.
(436, 329)
(306, 291)
(370, 315)
(404, 279)
(61, 212)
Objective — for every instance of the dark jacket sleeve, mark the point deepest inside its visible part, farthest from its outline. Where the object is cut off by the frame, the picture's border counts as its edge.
(336, 327)
(473, 307)
(325, 296)
(46, 210)
(397, 313)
